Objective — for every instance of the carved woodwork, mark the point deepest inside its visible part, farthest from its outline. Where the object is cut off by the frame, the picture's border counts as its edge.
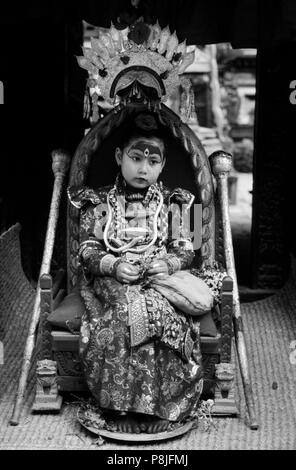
(46, 305)
(221, 163)
(224, 390)
(60, 163)
(209, 362)
(65, 346)
(47, 396)
(226, 319)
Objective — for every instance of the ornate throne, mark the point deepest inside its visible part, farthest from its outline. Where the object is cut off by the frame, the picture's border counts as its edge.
(138, 77)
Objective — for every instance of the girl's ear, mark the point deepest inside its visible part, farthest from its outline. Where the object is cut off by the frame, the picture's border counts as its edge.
(118, 156)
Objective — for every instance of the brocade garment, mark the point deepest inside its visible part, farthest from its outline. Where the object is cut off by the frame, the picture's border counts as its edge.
(139, 354)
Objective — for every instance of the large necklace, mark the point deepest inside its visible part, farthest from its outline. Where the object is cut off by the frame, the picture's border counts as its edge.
(115, 215)
(134, 197)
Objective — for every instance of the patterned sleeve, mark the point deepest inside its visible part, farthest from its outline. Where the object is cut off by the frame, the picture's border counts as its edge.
(213, 277)
(92, 255)
(180, 248)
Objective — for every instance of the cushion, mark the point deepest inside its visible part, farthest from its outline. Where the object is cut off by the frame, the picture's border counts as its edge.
(185, 291)
(67, 316)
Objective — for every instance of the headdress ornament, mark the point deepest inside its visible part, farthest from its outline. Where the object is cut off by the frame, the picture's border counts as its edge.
(126, 64)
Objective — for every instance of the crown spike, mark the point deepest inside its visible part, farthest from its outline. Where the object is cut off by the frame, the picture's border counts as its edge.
(124, 38)
(99, 49)
(107, 43)
(154, 36)
(181, 49)
(164, 36)
(116, 38)
(95, 44)
(92, 57)
(188, 59)
(172, 45)
(86, 64)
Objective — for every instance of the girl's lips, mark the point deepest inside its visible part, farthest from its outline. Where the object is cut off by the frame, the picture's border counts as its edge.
(142, 180)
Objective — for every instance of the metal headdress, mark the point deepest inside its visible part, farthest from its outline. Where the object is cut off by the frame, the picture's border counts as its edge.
(142, 62)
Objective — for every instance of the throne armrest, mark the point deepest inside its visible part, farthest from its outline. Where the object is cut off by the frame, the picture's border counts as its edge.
(226, 319)
(51, 295)
(46, 305)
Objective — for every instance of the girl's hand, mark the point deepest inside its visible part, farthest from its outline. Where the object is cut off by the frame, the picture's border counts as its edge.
(158, 267)
(126, 273)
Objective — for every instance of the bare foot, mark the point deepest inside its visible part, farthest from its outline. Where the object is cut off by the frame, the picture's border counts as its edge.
(128, 424)
(157, 425)
(125, 422)
(136, 422)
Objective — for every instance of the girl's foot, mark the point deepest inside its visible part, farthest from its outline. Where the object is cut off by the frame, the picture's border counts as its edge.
(136, 422)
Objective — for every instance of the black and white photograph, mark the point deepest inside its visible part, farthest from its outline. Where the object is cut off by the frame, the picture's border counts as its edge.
(147, 228)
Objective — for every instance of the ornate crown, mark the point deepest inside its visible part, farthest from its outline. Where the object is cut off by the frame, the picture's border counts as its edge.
(129, 64)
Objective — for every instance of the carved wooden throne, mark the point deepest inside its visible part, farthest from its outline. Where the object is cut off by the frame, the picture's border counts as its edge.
(187, 166)
(139, 73)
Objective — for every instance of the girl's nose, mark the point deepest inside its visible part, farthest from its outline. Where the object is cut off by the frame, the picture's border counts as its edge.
(144, 166)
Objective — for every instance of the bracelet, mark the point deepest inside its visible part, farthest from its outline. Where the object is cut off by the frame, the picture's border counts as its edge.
(115, 265)
(174, 264)
(107, 265)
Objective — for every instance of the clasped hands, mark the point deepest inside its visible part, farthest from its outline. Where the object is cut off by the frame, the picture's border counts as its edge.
(127, 273)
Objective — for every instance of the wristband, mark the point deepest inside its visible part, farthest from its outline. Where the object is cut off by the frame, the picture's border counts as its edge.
(107, 265)
(174, 264)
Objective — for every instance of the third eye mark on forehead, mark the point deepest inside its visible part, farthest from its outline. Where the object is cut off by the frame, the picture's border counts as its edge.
(145, 148)
(151, 156)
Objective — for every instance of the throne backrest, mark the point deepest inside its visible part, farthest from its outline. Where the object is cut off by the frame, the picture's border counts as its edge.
(187, 166)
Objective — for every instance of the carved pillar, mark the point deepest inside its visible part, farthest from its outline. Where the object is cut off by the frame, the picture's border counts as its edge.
(46, 303)
(226, 319)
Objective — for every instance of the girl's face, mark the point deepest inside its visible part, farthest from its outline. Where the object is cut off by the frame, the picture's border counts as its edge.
(141, 161)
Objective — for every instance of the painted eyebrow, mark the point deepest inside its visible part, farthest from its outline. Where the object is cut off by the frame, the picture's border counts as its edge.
(155, 158)
(140, 153)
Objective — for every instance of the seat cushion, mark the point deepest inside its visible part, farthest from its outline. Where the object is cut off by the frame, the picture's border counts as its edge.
(68, 316)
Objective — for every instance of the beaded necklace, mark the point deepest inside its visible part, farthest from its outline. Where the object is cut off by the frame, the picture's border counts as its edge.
(115, 217)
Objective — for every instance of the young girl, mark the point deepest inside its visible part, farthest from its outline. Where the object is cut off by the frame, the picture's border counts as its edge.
(141, 356)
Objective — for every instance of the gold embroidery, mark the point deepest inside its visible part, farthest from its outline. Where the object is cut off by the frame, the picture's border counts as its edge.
(137, 316)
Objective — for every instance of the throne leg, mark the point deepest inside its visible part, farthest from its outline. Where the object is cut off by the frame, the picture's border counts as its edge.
(47, 396)
(224, 391)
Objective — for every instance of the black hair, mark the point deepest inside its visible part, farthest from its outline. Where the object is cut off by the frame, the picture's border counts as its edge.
(143, 125)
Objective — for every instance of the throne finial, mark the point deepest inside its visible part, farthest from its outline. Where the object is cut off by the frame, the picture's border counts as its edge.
(60, 162)
(221, 162)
